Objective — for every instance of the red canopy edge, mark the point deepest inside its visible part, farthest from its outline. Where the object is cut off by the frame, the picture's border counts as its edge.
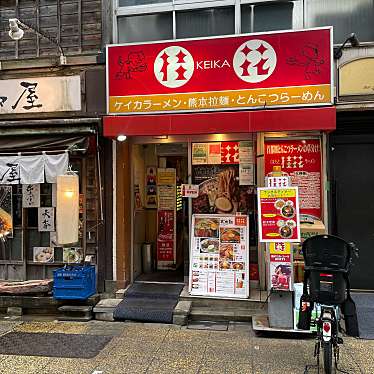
(304, 119)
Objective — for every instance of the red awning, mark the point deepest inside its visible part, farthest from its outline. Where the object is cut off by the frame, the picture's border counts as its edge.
(306, 119)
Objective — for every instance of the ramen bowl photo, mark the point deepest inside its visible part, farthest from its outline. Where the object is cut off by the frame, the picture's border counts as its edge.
(288, 211)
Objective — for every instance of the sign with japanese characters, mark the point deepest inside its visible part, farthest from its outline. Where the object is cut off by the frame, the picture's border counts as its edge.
(33, 169)
(166, 218)
(190, 190)
(31, 196)
(301, 161)
(46, 219)
(276, 69)
(219, 263)
(40, 94)
(278, 214)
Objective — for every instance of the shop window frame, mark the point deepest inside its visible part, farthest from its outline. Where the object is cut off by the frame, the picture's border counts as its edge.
(182, 5)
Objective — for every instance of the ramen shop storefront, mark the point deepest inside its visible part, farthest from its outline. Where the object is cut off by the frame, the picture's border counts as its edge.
(186, 176)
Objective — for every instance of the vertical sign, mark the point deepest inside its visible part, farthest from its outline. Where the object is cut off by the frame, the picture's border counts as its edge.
(166, 222)
(31, 195)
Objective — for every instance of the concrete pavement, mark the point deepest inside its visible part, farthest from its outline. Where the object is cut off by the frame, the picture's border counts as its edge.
(154, 348)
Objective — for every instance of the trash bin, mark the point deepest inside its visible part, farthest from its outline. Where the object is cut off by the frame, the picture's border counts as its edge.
(147, 257)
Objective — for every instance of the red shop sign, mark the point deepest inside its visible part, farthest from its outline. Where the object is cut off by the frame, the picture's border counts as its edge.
(301, 160)
(277, 69)
(278, 214)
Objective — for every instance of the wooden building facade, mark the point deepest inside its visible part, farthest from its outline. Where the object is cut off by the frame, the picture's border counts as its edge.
(68, 101)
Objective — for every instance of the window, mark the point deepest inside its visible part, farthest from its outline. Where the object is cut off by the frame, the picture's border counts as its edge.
(152, 20)
(346, 16)
(266, 17)
(141, 2)
(148, 27)
(205, 22)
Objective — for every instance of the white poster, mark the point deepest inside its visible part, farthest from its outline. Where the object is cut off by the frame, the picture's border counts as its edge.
(246, 175)
(219, 263)
(245, 153)
(43, 254)
(46, 219)
(31, 195)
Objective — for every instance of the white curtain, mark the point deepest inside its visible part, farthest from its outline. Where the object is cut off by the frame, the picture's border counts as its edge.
(10, 170)
(34, 169)
(55, 165)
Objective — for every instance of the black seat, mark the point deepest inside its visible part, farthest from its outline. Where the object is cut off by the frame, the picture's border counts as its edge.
(327, 260)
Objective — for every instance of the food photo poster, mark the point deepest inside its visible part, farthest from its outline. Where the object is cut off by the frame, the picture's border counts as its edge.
(219, 264)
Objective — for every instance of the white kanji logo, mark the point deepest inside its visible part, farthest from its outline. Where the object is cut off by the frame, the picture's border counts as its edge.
(254, 61)
(174, 66)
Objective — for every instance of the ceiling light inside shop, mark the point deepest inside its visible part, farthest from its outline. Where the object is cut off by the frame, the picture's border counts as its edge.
(121, 138)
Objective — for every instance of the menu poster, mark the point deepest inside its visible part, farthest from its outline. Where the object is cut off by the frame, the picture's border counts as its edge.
(280, 266)
(219, 263)
(301, 160)
(199, 153)
(278, 214)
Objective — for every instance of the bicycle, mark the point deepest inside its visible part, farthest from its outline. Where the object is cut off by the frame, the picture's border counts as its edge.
(328, 260)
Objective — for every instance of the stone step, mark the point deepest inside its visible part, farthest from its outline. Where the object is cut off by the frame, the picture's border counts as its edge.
(222, 303)
(81, 313)
(75, 308)
(105, 308)
(84, 318)
(224, 314)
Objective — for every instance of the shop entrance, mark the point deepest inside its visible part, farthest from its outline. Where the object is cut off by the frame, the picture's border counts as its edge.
(161, 216)
(352, 159)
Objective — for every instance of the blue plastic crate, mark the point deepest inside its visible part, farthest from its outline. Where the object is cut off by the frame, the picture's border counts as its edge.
(74, 282)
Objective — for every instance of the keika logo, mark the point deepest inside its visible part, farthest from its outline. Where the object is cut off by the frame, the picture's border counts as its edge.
(254, 61)
(174, 66)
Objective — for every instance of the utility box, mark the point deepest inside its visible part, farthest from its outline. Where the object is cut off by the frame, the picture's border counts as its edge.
(74, 282)
(280, 309)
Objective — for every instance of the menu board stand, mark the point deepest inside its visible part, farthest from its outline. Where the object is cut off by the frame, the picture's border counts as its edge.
(219, 259)
(280, 265)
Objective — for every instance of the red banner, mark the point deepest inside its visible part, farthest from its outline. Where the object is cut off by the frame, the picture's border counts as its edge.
(278, 214)
(301, 160)
(233, 72)
(165, 238)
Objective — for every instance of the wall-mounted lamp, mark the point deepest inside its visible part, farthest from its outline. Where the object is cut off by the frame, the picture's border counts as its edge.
(67, 209)
(121, 138)
(352, 39)
(16, 33)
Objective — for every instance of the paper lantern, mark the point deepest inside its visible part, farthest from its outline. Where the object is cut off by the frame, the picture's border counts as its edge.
(67, 209)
